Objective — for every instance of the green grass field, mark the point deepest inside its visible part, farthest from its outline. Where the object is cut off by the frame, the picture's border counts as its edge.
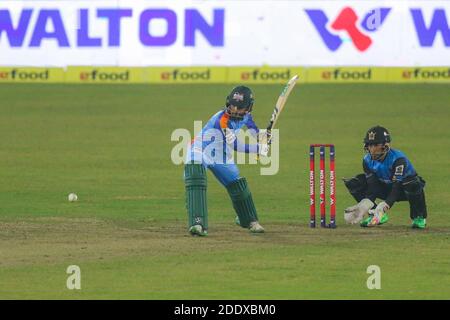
(128, 231)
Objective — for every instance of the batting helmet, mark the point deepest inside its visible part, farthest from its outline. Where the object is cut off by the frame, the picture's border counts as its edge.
(241, 97)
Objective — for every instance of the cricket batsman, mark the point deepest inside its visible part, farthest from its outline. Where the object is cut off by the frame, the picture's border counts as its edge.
(389, 176)
(213, 149)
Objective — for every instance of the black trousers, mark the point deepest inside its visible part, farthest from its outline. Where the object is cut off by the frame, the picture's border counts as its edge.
(411, 190)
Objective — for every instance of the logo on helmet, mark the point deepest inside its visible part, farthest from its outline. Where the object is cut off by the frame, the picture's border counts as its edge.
(371, 135)
(238, 96)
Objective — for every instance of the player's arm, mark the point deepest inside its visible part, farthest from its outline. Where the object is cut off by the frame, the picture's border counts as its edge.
(259, 135)
(262, 148)
(372, 185)
(231, 139)
(399, 170)
(244, 147)
(397, 174)
(372, 181)
(239, 146)
(251, 125)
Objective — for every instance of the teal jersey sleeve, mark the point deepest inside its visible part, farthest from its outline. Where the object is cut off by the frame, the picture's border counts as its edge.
(395, 167)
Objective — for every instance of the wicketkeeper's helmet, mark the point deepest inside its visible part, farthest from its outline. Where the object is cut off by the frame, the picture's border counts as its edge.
(377, 135)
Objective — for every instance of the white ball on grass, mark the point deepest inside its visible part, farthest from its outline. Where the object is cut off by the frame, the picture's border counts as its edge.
(73, 197)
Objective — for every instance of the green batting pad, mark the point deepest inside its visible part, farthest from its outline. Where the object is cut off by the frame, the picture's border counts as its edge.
(242, 202)
(195, 182)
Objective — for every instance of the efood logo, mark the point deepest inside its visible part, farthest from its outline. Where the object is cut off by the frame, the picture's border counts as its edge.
(424, 74)
(15, 74)
(266, 75)
(96, 75)
(338, 74)
(347, 21)
(178, 74)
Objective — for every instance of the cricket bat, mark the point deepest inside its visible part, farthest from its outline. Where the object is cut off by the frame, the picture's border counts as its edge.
(279, 106)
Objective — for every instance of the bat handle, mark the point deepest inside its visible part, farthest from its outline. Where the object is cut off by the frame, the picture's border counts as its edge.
(269, 134)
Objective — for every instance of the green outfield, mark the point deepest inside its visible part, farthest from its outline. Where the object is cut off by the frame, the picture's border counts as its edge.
(111, 145)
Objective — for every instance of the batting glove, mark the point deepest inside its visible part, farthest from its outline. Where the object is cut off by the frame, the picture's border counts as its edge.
(229, 136)
(263, 149)
(265, 136)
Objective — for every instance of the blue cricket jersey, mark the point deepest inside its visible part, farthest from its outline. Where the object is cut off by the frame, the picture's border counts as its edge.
(394, 167)
(211, 138)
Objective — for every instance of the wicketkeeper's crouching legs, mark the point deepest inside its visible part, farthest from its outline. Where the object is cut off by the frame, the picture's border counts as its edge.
(413, 188)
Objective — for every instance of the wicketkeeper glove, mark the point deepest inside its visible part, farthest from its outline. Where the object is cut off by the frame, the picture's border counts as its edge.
(377, 213)
(355, 214)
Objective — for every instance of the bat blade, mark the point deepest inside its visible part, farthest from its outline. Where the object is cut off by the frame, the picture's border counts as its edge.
(279, 106)
(281, 102)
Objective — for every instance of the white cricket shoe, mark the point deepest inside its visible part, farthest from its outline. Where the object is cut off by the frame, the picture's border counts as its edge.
(197, 230)
(255, 227)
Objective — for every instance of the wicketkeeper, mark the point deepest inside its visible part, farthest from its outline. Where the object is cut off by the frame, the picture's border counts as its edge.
(213, 149)
(389, 176)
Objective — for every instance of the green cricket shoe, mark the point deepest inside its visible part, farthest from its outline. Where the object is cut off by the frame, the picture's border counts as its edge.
(197, 230)
(384, 219)
(419, 223)
(367, 222)
(237, 221)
